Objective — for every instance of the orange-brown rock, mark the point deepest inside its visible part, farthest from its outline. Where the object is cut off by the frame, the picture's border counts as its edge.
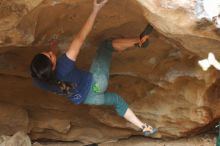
(181, 22)
(163, 84)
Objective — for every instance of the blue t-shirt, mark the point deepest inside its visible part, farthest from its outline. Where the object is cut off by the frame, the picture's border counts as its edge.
(66, 70)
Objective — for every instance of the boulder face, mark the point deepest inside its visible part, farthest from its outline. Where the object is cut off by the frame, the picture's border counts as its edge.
(192, 25)
(18, 139)
(13, 119)
(163, 83)
(11, 14)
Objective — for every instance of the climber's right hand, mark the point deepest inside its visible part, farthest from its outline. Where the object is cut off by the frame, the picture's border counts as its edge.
(98, 6)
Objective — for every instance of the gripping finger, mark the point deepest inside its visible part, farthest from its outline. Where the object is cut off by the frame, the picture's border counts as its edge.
(101, 2)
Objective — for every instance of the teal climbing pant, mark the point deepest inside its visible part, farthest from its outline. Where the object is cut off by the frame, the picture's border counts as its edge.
(100, 71)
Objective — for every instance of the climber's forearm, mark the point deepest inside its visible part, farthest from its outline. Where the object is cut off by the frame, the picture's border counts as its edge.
(77, 42)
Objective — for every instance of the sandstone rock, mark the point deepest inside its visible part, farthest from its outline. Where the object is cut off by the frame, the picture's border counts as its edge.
(18, 139)
(13, 119)
(181, 22)
(58, 144)
(202, 140)
(195, 141)
(11, 13)
(163, 84)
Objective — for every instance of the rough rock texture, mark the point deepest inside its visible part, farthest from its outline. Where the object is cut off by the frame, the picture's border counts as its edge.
(163, 84)
(11, 13)
(183, 23)
(13, 119)
(137, 141)
(193, 141)
(18, 139)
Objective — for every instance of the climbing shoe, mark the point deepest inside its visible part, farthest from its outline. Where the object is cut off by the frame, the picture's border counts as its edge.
(145, 36)
(148, 130)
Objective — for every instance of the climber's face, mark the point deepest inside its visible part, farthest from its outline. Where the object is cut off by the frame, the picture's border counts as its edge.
(52, 58)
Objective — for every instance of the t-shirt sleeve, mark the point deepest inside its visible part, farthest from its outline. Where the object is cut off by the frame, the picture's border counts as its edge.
(64, 65)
